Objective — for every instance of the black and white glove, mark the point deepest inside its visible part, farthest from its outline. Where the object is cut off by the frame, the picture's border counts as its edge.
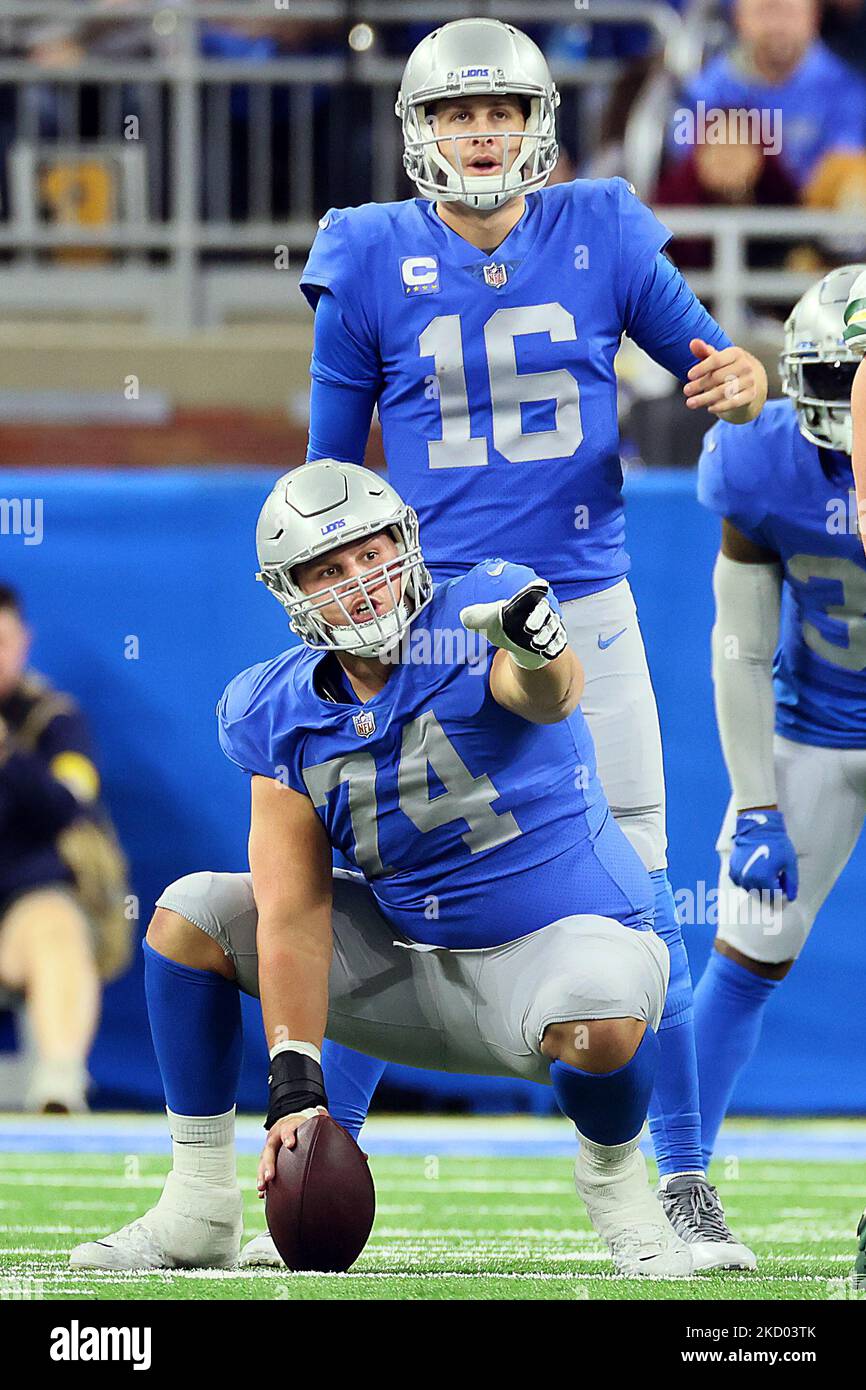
(524, 625)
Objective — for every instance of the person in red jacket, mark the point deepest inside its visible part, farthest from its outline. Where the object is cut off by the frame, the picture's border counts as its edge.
(730, 174)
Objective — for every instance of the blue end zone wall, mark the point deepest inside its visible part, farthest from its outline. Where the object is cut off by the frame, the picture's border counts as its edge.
(167, 560)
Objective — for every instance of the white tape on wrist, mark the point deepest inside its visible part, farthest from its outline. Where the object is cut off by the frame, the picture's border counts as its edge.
(292, 1045)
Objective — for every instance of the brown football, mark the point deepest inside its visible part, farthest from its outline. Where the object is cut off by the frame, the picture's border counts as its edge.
(321, 1202)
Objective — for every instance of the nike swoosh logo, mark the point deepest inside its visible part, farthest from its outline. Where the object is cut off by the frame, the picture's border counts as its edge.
(605, 642)
(496, 569)
(762, 853)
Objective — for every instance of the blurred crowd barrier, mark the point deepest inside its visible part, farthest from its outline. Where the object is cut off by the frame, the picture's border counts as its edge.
(159, 162)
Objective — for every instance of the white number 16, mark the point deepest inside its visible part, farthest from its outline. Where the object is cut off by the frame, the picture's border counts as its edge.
(509, 389)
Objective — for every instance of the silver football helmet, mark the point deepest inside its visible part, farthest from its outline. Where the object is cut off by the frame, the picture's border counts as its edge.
(472, 57)
(317, 508)
(817, 364)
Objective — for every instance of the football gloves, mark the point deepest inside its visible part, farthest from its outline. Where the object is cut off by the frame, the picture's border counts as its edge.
(763, 857)
(524, 625)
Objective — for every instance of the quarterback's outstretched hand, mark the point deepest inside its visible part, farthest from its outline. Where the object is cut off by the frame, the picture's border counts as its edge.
(763, 857)
(730, 382)
(524, 625)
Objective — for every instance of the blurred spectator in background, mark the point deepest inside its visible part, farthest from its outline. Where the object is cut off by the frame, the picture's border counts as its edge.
(62, 874)
(779, 64)
(838, 183)
(260, 41)
(735, 173)
(844, 30)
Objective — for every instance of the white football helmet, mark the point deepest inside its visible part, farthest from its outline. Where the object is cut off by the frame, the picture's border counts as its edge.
(817, 364)
(317, 508)
(472, 57)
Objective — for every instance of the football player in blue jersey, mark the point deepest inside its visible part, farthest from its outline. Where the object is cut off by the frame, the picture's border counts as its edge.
(482, 319)
(495, 919)
(855, 338)
(789, 669)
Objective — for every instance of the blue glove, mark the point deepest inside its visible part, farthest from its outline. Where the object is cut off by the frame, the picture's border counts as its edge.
(763, 857)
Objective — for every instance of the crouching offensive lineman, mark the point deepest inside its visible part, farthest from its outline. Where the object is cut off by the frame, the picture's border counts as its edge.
(497, 921)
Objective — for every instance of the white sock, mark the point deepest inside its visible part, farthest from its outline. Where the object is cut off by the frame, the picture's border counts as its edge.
(203, 1147)
(606, 1159)
(686, 1173)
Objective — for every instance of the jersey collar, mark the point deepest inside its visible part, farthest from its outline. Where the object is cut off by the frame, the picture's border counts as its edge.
(512, 250)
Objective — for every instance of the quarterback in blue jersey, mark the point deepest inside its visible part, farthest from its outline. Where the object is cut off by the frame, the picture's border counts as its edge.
(789, 669)
(495, 919)
(482, 319)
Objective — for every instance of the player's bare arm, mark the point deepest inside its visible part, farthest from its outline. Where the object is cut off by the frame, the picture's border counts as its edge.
(544, 696)
(729, 382)
(290, 862)
(535, 674)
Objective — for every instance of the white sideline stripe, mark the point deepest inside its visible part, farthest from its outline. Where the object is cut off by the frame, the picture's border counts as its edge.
(126, 1277)
(379, 1256)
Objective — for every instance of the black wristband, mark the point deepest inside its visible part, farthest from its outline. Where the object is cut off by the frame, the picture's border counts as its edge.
(296, 1083)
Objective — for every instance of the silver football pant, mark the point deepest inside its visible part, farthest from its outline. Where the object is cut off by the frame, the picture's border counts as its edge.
(479, 1011)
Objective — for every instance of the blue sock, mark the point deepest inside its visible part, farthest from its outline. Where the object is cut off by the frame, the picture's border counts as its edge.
(674, 1112)
(195, 1021)
(729, 1009)
(350, 1080)
(608, 1107)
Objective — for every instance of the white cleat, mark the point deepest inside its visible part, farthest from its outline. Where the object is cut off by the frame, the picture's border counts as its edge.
(693, 1208)
(624, 1211)
(260, 1252)
(194, 1225)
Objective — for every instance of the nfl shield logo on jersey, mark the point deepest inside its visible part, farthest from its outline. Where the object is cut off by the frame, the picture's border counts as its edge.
(495, 276)
(365, 723)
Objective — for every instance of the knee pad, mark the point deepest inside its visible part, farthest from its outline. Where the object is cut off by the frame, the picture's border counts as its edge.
(599, 969)
(210, 901)
(763, 932)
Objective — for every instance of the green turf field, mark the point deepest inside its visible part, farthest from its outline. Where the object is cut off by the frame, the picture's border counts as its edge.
(476, 1228)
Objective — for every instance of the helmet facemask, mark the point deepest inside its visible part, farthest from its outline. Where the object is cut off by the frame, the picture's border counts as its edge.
(373, 636)
(817, 364)
(440, 180)
(821, 392)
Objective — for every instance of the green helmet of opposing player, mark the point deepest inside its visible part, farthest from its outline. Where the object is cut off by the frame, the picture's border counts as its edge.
(855, 316)
(818, 360)
(477, 57)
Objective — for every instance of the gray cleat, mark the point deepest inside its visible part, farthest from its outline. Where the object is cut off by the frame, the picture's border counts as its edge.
(693, 1208)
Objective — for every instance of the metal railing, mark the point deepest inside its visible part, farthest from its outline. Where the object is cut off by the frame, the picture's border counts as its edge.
(241, 155)
(730, 285)
(208, 172)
